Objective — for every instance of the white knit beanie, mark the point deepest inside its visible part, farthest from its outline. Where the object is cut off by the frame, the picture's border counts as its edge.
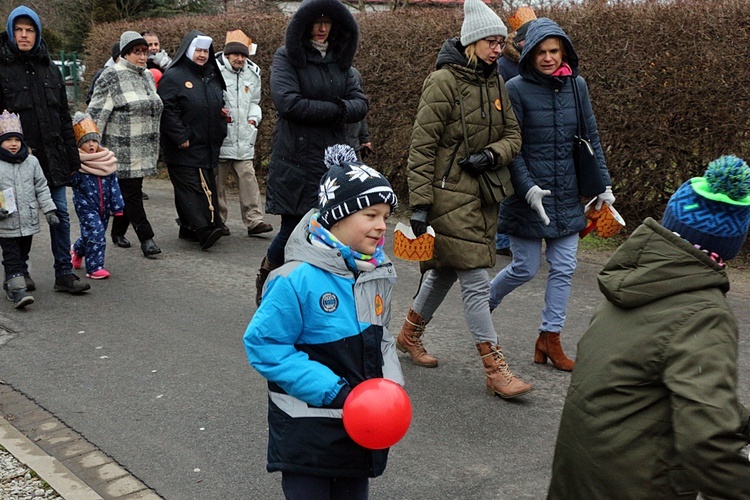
(479, 22)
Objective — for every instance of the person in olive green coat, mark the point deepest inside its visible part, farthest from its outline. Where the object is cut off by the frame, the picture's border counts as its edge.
(465, 128)
(652, 409)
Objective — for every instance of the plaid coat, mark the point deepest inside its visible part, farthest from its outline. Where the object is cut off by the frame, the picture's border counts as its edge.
(127, 110)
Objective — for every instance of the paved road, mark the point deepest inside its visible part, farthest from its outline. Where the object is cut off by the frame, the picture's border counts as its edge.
(150, 368)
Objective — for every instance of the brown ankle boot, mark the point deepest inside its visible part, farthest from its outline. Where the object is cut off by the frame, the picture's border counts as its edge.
(548, 346)
(260, 279)
(410, 341)
(500, 380)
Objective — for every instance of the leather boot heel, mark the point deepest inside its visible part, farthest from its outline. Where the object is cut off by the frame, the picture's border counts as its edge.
(540, 357)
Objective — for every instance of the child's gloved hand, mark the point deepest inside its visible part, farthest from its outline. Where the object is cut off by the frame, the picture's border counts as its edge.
(3, 214)
(52, 219)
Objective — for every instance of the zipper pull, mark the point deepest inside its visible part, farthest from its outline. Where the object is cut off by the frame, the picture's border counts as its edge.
(442, 184)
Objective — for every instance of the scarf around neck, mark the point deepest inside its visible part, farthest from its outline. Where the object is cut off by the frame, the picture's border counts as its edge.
(356, 261)
(101, 163)
(320, 47)
(19, 157)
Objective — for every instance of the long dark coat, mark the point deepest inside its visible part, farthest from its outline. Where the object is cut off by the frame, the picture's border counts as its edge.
(33, 87)
(315, 97)
(193, 96)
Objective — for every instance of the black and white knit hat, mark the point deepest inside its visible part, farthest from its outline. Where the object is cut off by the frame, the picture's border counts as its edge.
(350, 186)
(480, 22)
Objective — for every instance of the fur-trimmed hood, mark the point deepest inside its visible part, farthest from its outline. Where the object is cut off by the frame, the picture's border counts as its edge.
(342, 41)
(510, 51)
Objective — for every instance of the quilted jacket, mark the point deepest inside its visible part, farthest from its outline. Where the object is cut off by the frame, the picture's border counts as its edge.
(546, 112)
(461, 112)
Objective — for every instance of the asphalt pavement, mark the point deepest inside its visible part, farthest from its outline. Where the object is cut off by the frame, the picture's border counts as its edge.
(146, 376)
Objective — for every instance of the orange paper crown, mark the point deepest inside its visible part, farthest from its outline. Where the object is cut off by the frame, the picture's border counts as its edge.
(522, 16)
(407, 247)
(238, 36)
(84, 126)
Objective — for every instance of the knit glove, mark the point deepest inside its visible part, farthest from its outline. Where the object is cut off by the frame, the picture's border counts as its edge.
(3, 214)
(477, 163)
(418, 220)
(605, 197)
(52, 219)
(534, 198)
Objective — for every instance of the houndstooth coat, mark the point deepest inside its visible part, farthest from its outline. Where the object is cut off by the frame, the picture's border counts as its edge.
(127, 110)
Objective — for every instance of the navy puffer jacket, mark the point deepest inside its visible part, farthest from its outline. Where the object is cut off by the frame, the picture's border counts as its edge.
(546, 112)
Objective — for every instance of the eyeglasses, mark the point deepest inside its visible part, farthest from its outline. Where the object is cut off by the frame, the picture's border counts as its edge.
(140, 52)
(494, 43)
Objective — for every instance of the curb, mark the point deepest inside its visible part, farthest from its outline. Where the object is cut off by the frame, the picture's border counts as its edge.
(71, 465)
(59, 477)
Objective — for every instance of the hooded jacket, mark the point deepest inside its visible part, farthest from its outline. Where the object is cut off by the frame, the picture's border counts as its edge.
(243, 102)
(32, 86)
(315, 97)
(652, 409)
(507, 65)
(461, 112)
(546, 111)
(127, 110)
(193, 96)
(334, 334)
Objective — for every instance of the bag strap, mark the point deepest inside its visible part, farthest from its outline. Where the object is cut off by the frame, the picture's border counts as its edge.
(580, 121)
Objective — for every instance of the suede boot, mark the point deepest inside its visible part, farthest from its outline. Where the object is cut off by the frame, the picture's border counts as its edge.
(260, 279)
(410, 340)
(500, 380)
(548, 346)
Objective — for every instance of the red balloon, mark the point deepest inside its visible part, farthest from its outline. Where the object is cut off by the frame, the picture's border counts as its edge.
(157, 75)
(377, 413)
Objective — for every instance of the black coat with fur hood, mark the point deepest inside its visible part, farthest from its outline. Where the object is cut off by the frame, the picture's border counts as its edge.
(315, 96)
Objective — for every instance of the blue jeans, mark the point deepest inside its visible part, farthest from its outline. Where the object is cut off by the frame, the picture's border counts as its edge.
(60, 234)
(527, 256)
(502, 241)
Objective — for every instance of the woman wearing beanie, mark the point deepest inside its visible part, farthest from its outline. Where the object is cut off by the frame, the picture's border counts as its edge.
(465, 127)
(334, 294)
(127, 110)
(546, 206)
(652, 409)
(316, 94)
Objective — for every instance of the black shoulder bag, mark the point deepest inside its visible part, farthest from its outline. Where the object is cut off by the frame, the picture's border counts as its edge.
(588, 172)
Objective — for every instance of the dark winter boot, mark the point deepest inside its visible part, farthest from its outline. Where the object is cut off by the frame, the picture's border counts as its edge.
(15, 289)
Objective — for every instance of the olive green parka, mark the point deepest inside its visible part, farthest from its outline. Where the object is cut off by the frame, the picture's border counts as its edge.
(461, 112)
(652, 409)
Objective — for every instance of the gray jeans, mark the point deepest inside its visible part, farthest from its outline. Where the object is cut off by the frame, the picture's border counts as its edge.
(475, 293)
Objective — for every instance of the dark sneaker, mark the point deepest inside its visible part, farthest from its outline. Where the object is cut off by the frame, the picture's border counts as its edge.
(30, 285)
(263, 227)
(21, 299)
(225, 230)
(70, 283)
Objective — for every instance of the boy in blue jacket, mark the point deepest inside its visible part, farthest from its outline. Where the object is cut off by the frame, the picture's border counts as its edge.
(334, 294)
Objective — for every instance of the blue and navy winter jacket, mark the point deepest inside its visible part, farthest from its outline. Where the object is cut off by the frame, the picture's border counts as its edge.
(319, 328)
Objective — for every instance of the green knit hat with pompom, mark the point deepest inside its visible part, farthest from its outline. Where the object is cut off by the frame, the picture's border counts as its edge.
(713, 211)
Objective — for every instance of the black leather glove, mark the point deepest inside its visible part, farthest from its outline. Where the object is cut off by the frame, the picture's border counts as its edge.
(418, 220)
(478, 163)
(3, 214)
